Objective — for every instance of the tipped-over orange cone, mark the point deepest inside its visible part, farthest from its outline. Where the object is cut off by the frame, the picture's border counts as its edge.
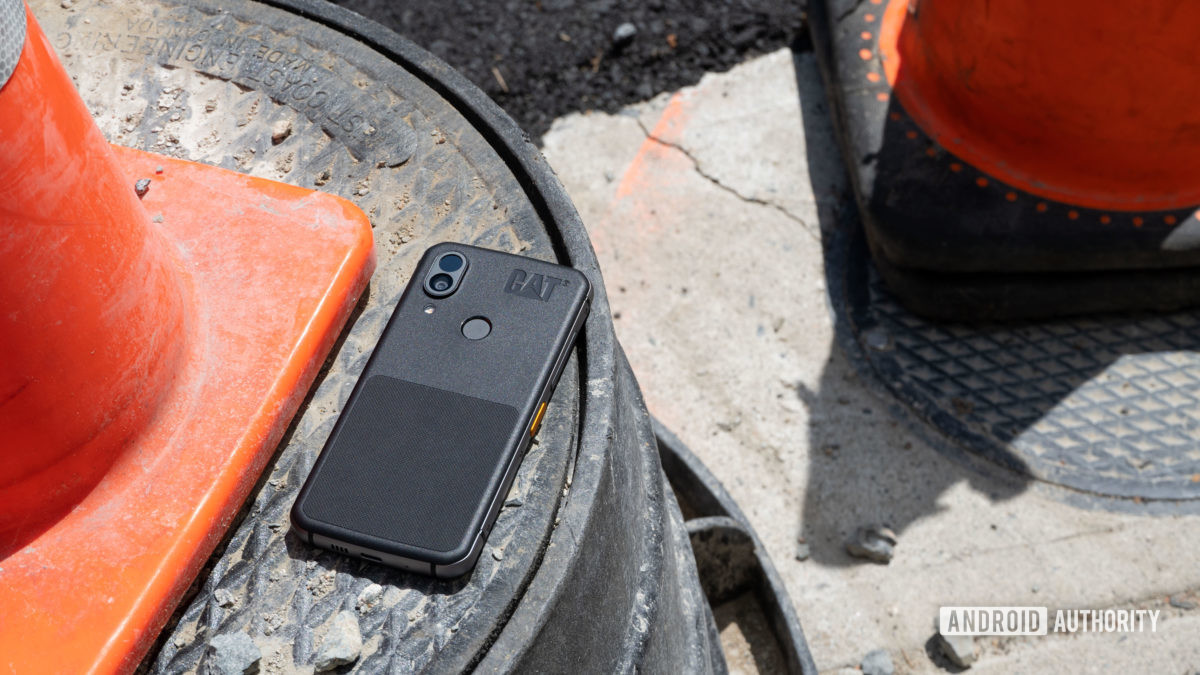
(156, 343)
(1022, 158)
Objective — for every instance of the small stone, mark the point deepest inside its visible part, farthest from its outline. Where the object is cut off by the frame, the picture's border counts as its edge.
(874, 542)
(1180, 603)
(67, 4)
(158, 169)
(231, 654)
(624, 34)
(224, 598)
(142, 187)
(729, 425)
(342, 643)
(497, 554)
(878, 339)
(368, 597)
(877, 662)
(802, 551)
(280, 131)
(514, 503)
(960, 649)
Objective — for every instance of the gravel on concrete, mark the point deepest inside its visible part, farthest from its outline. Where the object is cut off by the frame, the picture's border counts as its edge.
(960, 649)
(1180, 603)
(877, 662)
(803, 552)
(873, 542)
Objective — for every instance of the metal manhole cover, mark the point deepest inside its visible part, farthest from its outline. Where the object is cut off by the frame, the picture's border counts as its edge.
(1106, 405)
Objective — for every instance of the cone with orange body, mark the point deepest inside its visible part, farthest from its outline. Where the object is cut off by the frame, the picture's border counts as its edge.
(156, 343)
(1021, 158)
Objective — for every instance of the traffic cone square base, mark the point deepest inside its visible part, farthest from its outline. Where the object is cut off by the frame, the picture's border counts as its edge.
(957, 241)
(272, 272)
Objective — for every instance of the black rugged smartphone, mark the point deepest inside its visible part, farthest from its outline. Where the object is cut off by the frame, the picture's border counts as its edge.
(422, 456)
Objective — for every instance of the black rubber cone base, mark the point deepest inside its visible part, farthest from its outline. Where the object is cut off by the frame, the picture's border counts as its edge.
(1100, 411)
(953, 242)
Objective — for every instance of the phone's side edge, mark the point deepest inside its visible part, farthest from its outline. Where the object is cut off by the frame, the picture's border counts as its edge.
(581, 309)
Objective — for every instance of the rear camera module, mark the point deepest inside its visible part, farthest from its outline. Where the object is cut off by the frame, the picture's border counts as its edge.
(441, 282)
(445, 274)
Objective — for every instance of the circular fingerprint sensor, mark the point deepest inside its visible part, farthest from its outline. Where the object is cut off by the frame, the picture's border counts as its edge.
(476, 328)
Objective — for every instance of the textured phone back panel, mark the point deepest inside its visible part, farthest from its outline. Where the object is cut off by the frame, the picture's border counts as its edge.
(417, 462)
(415, 450)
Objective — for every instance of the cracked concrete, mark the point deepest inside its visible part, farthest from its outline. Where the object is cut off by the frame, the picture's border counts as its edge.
(717, 181)
(705, 208)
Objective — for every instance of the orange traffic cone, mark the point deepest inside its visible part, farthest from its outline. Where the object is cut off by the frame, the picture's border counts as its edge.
(155, 342)
(1022, 158)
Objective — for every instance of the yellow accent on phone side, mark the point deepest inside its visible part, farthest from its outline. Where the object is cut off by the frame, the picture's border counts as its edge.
(537, 419)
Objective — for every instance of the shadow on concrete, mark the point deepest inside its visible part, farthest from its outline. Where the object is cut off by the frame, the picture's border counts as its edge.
(862, 470)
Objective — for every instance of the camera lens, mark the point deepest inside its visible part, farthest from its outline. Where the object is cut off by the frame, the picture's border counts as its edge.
(441, 282)
(451, 262)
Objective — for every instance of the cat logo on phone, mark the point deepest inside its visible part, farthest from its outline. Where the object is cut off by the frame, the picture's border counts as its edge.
(536, 286)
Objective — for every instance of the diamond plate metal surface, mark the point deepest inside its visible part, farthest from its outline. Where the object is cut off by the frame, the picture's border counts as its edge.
(1106, 405)
(12, 36)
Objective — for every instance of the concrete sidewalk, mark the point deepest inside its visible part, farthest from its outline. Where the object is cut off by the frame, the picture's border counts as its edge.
(706, 208)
